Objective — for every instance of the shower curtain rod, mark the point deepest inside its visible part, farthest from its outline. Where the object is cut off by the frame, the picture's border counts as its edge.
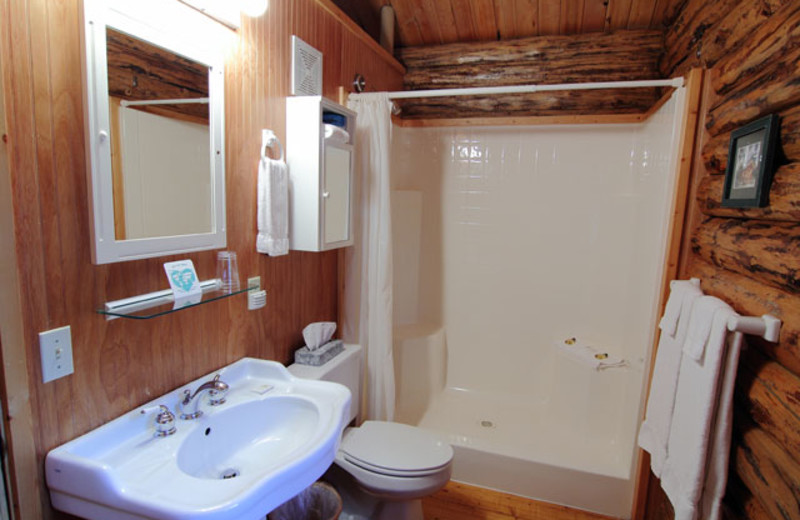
(179, 101)
(526, 89)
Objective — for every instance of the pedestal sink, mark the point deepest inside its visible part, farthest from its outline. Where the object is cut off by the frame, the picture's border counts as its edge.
(273, 437)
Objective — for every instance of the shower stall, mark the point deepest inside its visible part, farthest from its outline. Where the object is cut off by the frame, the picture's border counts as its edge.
(507, 241)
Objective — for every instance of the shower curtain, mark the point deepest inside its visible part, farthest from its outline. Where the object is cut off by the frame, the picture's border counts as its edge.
(368, 265)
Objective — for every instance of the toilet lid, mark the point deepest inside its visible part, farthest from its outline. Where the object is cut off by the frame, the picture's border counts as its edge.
(395, 448)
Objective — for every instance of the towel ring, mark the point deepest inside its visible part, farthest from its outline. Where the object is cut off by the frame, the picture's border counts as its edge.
(269, 139)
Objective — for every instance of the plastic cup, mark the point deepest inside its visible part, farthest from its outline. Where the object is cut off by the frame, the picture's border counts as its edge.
(228, 271)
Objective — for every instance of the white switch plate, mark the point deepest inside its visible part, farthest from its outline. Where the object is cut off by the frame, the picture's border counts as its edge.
(56, 349)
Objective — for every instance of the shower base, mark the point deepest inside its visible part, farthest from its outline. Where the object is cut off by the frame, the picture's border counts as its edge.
(516, 449)
(557, 444)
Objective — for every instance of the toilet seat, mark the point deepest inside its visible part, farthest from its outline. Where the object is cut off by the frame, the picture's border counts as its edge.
(395, 449)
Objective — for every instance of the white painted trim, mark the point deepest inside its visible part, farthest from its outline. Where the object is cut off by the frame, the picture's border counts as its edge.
(135, 21)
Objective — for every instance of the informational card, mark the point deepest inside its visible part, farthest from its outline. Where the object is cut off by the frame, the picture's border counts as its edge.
(184, 283)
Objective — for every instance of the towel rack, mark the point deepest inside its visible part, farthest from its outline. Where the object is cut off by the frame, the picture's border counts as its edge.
(766, 326)
(269, 139)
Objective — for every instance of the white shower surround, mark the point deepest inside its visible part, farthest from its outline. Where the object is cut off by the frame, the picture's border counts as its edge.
(522, 237)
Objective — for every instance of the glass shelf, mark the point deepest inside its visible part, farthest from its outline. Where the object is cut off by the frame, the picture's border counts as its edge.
(161, 304)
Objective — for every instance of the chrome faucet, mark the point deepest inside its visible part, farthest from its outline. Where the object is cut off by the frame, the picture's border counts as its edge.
(217, 390)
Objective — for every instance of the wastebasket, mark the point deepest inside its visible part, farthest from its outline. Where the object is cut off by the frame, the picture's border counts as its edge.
(320, 501)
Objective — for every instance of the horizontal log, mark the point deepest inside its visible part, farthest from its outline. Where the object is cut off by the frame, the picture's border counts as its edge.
(737, 28)
(603, 46)
(769, 473)
(616, 56)
(715, 151)
(784, 197)
(750, 298)
(771, 89)
(771, 396)
(585, 102)
(140, 71)
(773, 39)
(740, 502)
(768, 252)
(583, 69)
(688, 29)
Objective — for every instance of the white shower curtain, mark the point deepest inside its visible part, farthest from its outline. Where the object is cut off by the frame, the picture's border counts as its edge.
(368, 271)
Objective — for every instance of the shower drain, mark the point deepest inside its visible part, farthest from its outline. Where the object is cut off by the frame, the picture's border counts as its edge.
(229, 473)
(486, 423)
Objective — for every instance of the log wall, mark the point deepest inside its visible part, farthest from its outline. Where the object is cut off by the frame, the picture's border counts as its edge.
(748, 257)
(616, 56)
(124, 363)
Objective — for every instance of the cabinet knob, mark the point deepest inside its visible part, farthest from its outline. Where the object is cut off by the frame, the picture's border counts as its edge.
(325, 194)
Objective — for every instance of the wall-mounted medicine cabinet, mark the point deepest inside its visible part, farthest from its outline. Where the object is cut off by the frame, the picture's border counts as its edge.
(319, 153)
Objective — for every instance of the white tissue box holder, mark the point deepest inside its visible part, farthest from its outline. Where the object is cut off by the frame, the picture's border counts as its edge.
(320, 356)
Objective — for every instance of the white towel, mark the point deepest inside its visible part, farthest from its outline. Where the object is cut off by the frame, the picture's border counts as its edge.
(336, 134)
(654, 433)
(597, 359)
(717, 469)
(672, 311)
(693, 440)
(700, 325)
(273, 208)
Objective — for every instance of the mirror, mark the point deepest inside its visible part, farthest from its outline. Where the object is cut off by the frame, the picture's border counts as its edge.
(154, 137)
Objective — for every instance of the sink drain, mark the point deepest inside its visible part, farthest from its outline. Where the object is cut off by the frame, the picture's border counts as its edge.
(486, 424)
(229, 473)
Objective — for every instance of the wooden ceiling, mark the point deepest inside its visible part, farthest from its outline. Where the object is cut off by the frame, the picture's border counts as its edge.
(436, 22)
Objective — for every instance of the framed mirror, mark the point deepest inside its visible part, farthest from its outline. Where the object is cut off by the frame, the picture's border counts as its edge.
(154, 113)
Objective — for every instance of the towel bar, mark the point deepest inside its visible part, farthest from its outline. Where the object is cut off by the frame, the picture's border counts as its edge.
(766, 326)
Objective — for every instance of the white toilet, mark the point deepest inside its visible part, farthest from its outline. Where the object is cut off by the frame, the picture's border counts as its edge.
(382, 469)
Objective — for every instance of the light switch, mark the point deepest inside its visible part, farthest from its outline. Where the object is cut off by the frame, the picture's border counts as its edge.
(56, 350)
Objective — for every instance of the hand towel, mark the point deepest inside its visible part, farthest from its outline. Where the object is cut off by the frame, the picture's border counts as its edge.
(273, 207)
(692, 437)
(700, 325)
(717, 469)
(595, 358)
(672, 311)
(654, 433)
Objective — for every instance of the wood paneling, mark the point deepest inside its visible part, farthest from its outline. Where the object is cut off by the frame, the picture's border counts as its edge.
(748, 257)
(434, 22)
(464, 502)
(121, 364)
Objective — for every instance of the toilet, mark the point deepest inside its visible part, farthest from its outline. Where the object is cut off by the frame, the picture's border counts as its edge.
(382, 469)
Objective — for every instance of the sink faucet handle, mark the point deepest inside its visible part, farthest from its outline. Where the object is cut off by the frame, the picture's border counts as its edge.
(165, 419)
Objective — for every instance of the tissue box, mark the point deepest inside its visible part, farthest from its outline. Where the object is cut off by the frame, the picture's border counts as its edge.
(320, 356)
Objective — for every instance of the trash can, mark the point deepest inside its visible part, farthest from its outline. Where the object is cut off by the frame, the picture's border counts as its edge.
(320, 501)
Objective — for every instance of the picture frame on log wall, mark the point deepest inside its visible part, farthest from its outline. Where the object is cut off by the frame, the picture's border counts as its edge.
(751, 157)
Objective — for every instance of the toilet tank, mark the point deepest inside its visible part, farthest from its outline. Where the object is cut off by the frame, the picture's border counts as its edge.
(344, 368)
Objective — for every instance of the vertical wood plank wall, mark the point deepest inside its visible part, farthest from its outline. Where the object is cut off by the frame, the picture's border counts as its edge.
(121, 364)
(750, 258)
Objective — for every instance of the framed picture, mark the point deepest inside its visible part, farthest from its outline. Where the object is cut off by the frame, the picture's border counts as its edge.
(750, 164)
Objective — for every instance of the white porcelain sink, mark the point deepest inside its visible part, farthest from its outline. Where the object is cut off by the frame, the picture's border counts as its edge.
(273, 437)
